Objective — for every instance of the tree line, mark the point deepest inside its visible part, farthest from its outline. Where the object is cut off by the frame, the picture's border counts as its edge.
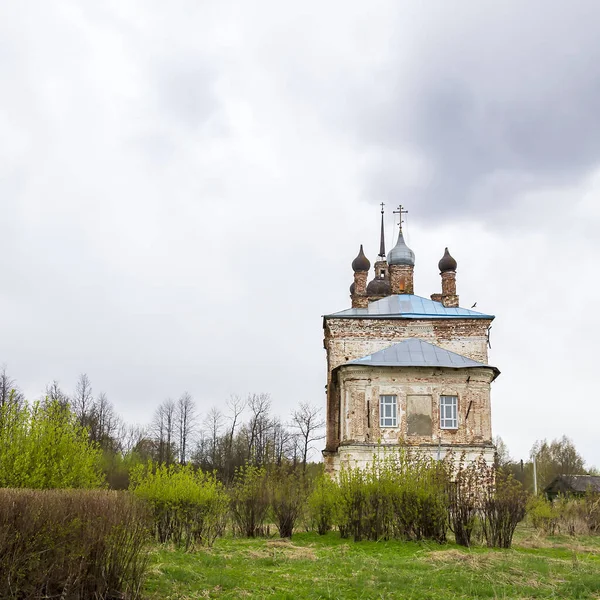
(552, 458)
(245, 432)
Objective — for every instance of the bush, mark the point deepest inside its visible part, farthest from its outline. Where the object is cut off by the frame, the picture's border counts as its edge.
(71, 544)
(543, 514)
(249, 497)
(503, 505)
(288, 497)
(591, 511)
(399, 496)
(42, 446)
(323, 504)
(187, 506)
(463, 500)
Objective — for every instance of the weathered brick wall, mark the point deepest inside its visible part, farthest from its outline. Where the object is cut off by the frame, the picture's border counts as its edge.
(449, 283)
(361, 388)
(401, 279)
(361, 455)
(359, 298)
(349, 339)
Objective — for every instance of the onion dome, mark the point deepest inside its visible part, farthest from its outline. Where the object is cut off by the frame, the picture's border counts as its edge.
(352, 288)
(361, 262)
(447, 263)
(401, 254)
(378, 287)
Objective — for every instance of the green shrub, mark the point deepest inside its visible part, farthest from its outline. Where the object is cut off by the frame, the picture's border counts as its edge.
(543, 515)
(42, 446)
(323, 504)
(288, 495)
(71, 544)
(187, 506)
(249, 496)
(399, 496)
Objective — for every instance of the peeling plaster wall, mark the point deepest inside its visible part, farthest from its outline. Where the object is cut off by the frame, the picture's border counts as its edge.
(361, 455)
(356, 394)
(353, 395)
(362, 386)
(349, 339)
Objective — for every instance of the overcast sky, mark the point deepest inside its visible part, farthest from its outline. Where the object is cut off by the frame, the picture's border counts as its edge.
(183, 186)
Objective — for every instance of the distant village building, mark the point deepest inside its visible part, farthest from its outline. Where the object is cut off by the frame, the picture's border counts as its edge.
(403, 369)
(572, 485)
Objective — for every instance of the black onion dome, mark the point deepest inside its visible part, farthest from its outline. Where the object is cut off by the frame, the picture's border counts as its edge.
(447, 263)
(378, 287)
(352, 288)
(361, 262)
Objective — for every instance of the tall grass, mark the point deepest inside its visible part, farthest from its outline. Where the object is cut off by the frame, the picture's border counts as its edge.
(75, 544)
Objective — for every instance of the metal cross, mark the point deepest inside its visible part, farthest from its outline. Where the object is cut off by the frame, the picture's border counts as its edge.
(400, 212)
(382, 205)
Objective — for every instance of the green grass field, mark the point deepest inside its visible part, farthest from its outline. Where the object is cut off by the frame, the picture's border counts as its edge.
(311, 566)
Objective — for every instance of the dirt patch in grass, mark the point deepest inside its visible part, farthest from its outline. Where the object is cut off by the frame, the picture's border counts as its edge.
(283, 549)
(452, 557)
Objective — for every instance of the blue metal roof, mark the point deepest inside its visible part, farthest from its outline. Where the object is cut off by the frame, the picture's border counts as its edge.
(418, 353)
(408, 306)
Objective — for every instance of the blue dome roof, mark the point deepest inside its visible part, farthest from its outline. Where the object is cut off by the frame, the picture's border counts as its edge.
(401, 254)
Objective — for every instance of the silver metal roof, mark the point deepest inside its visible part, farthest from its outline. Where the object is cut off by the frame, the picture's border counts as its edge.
(418, 353)
(401, 254)
(408, 306)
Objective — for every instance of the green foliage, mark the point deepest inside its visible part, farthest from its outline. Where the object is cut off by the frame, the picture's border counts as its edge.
(323, 504)
(543, 514)
(288, 493)
(187, 506)
(566, 514)
(249, 496)
(43, 446)
(559, 457)
(316, 567)
(400, 496)
(71, 544)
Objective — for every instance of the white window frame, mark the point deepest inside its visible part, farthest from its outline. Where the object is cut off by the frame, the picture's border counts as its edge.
(388, 418)
(448, 411)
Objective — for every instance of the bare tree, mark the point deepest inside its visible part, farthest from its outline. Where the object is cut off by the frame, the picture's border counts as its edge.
(282, 442)
(53, 393)
(309, 422)
(9, 392)
(213, 424)
(236, 406)
(186, 420)
(104, 422)
(130, 437)
(83, 400)
(163, 429)
(260, 405)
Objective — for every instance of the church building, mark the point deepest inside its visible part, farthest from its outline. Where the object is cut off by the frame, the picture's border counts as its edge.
(404, 370)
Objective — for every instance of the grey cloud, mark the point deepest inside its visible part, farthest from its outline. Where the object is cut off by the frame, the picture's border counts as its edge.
(185, 91)
(492, 103)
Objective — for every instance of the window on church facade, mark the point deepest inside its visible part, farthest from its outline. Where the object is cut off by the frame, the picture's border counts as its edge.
(388, 411)
(448, 412)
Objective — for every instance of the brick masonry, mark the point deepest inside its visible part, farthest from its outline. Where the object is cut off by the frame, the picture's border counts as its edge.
(353, 429)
